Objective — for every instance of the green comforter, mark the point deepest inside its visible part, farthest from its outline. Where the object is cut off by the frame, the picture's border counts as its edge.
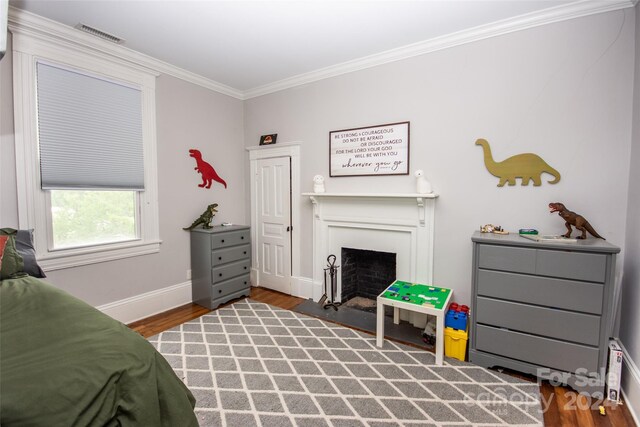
(64, 363)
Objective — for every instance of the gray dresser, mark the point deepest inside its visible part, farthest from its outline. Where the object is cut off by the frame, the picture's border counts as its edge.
(220, 264)
(543, 308)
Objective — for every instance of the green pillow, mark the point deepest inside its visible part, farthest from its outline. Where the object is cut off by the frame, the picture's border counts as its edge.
(12, 264)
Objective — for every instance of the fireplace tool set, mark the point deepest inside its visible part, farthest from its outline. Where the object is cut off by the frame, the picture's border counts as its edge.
(330, 278)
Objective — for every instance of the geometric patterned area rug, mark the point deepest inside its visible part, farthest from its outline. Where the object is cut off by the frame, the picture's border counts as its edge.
(251, 364)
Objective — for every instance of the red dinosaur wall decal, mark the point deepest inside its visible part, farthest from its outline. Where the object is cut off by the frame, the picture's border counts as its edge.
(206, 170)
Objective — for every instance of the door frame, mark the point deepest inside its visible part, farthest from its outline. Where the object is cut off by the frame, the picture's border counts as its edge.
(292, 150)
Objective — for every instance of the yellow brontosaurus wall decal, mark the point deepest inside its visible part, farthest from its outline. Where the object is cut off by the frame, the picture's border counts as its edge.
(527, 166)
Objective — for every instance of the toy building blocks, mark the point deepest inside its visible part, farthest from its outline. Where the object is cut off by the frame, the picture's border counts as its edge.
(457, 317)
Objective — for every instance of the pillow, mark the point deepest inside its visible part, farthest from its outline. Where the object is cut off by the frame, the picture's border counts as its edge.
(24, 246)
(11, 260)
(3, 243)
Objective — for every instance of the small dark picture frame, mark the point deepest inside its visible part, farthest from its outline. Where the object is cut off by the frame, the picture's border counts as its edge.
(268, 139)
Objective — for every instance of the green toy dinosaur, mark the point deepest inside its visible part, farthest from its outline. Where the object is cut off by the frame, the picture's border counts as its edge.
(206, 218)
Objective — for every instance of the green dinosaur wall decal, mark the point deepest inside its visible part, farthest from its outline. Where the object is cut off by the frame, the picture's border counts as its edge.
(527, 166)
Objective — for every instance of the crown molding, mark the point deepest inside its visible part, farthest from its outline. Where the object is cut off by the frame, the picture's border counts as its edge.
(23, 22)
(35, 25)
(547, 16)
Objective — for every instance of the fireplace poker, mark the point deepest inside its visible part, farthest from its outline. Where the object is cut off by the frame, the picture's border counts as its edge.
(331, 270)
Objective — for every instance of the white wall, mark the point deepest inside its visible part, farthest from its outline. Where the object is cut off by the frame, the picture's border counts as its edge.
(8, 199)
(562, 91)
(630, 314)
(188, 116)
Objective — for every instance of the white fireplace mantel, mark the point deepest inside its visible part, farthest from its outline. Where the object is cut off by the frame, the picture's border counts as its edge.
(418, 197)
(376, 195)
(400, 223)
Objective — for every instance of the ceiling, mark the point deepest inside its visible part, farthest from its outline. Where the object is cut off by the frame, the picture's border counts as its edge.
(247, 45)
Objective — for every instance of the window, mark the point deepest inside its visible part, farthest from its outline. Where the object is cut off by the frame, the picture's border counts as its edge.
(89, 137)
(88, 186)
(86, 218)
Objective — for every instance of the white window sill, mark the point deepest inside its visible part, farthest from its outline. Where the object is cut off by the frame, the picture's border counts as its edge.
(59, 260)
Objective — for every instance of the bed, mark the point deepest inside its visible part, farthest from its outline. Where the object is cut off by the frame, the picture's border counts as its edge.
(64, 363)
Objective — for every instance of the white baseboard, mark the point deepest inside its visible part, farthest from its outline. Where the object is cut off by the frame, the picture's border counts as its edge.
(144, 305)
(302, 287)
(631, 384)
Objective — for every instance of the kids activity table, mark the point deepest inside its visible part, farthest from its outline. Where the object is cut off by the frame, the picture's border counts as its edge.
(415, 297)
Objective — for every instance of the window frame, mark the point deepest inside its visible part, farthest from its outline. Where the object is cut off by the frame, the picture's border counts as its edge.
(33, 203)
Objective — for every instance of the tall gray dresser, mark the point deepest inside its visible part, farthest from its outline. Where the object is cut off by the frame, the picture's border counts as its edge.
(220, 264)
(543, 308)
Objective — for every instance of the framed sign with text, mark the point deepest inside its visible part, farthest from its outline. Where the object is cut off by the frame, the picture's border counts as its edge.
(373, 150)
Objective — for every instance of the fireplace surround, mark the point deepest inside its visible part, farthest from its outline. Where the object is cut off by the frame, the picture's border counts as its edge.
(395, 223)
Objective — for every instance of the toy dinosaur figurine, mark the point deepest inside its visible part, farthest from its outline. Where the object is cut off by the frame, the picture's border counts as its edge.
(527, 166)
(572, 218)
(206, 170)
(206, 218)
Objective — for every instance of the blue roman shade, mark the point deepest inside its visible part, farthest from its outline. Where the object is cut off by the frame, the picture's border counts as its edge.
(89, 131)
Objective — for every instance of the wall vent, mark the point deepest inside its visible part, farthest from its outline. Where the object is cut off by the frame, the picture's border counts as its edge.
(98, 33)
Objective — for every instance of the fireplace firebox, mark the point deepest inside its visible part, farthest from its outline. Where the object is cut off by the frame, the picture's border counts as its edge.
(365, 274)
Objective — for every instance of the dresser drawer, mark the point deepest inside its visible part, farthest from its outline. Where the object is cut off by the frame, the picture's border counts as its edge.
(507, 258)
(230, 270)
(559, 293)
(230, 286)
(572, 265)
(223, 256)
(560, 324)
(537, 350)
(232, 238)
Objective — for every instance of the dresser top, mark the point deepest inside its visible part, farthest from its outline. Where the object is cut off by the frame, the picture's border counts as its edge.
(590, 244)
(220, 229)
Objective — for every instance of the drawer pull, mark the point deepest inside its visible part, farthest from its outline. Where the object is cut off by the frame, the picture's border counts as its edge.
(245, 268)
(241, 237)
(219, 291)
(220, 274)
(244, 253)
(245, 282)
(222, 241)
(220, 258)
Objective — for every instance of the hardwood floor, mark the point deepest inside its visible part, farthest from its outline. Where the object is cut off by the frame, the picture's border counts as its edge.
(161, 322)
(274, 298)
(562, 406)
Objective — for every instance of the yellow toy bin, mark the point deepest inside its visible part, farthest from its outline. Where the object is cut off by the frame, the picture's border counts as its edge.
(455, 343)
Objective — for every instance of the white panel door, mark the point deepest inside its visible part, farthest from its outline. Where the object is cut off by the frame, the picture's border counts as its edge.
(274, 223)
